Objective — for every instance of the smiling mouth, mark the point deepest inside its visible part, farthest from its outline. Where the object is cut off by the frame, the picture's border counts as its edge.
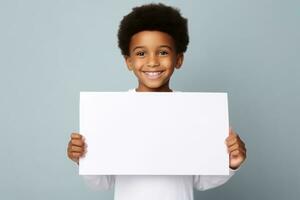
(153, 75)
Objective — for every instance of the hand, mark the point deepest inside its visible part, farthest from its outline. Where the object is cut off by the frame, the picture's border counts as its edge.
(76, 147)
(236, 149)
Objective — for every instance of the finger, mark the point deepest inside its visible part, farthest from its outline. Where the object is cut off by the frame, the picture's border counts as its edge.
(69, 144)
(234, 142)
(236, 139)
(76, 149)
(75, 155)
(238, 152)
(71, 155)
(72, 158)
(231, 141)
(240, 142)
(78, 142)
(76, 135)
(231, 135)
(235, 153)
(233, 147)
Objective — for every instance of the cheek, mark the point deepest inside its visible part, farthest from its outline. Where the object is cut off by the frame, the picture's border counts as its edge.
(168, 63)
(138, 64)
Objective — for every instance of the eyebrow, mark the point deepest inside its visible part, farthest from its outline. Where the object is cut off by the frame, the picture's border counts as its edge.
(166, 46)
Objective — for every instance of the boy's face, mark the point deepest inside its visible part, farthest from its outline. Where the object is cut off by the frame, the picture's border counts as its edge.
(153, 58)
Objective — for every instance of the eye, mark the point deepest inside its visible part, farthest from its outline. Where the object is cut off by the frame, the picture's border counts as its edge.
(163, 53)
(140, 53)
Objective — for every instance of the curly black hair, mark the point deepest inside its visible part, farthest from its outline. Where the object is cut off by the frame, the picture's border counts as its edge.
(156, 17)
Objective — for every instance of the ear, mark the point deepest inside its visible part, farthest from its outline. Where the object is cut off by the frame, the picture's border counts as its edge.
(128, 62)
(179, 60)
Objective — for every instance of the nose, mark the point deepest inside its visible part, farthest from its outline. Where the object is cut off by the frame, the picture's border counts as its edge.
(152, 61)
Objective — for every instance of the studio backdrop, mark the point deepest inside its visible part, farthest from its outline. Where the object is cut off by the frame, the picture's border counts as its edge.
(52, 50)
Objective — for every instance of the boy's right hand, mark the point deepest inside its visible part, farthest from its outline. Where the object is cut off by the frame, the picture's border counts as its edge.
(76, 147)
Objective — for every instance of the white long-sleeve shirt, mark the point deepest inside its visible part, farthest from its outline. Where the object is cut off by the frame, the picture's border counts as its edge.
(155, 187)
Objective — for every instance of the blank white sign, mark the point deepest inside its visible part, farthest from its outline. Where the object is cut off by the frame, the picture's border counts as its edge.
(154, 133)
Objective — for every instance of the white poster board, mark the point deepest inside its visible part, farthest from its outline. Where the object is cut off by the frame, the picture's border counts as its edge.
(154, 133)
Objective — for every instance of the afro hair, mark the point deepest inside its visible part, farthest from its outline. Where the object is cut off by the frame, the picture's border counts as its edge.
(154, 17)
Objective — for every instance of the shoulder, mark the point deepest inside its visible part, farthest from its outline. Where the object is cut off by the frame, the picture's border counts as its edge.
(132, 90)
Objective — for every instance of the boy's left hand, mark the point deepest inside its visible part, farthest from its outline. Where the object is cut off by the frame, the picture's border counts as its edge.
(236, 149)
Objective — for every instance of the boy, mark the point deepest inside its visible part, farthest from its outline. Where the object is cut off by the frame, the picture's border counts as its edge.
(152, 39)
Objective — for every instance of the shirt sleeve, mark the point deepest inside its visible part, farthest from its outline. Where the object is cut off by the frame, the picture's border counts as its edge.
(99, 182)
(205, 182)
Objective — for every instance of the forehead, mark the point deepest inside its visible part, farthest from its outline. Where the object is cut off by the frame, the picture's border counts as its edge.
(151, 39)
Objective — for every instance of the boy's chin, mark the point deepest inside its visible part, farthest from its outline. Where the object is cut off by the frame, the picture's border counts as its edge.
(155, 86)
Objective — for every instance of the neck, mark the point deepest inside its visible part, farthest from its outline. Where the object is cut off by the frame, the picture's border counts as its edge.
(164, 88)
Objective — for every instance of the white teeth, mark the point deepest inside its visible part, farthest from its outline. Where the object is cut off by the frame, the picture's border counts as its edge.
(153, 73)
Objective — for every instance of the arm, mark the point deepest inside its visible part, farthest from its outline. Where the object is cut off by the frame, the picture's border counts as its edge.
(205, 182)
(77, 149)
(99, 182)
(237, 155)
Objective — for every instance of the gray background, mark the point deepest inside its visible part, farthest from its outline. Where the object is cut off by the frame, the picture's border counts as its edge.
(51, 50)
